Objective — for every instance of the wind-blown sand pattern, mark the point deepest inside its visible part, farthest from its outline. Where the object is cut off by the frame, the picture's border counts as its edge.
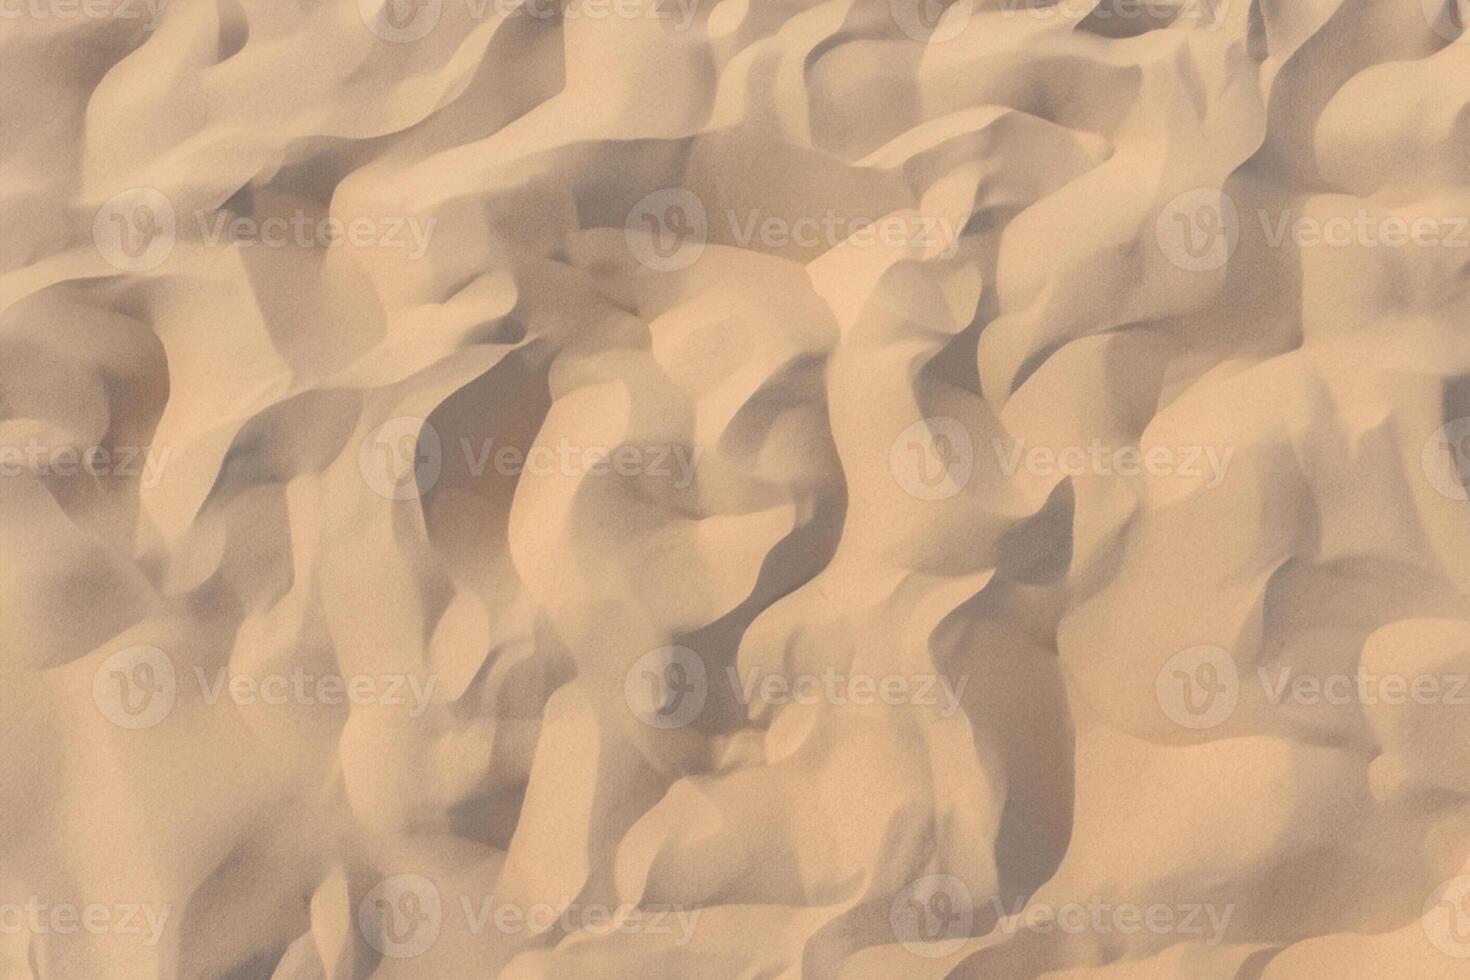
(743, 489)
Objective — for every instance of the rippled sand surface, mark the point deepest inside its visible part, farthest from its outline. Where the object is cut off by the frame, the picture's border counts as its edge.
(748, 489)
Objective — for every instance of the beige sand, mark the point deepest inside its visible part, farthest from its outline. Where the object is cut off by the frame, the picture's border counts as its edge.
(734, 489)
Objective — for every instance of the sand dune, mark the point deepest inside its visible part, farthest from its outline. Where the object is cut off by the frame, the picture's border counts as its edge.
(750, 489)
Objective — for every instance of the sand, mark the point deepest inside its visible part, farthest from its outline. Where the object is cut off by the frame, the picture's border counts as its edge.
(741, 489)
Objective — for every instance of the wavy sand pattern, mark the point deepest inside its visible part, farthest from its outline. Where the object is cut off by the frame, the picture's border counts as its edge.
(734, 489)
